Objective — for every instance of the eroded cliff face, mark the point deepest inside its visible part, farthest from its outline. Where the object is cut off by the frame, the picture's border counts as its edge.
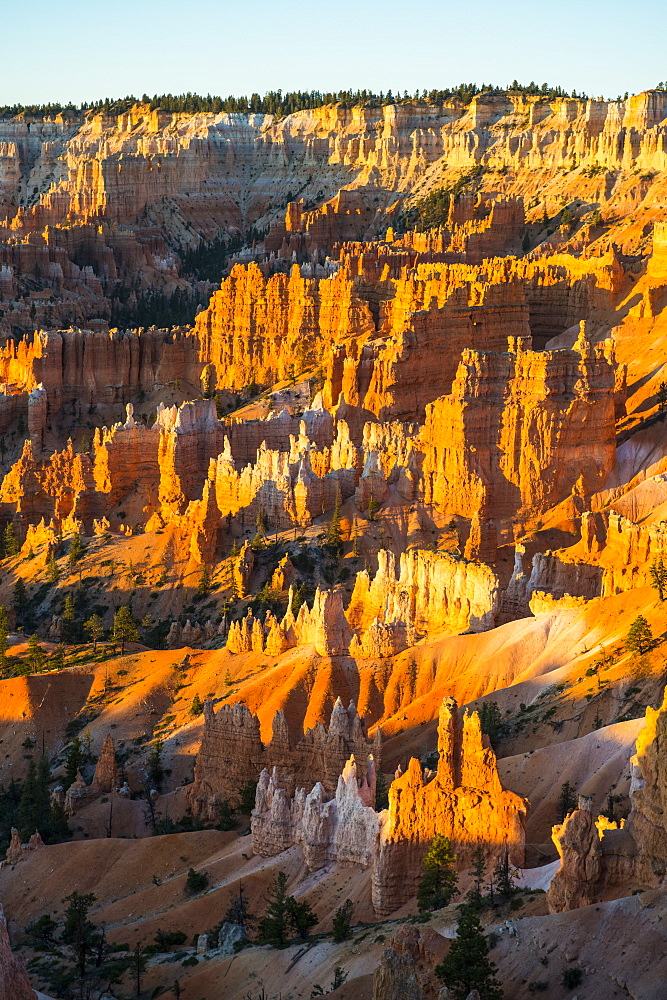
(88, 206)
(521, 431)
(232, 753)
(14, 982)
(597, 854)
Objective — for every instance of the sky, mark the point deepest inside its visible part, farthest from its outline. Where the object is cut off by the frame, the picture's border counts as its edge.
(83, 50)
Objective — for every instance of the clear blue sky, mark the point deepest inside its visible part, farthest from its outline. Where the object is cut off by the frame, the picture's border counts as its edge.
(61, 50)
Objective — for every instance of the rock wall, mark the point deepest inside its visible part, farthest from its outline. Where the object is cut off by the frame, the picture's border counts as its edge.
(232, 753)
(520, 431)
(14, 982)
(433, 591)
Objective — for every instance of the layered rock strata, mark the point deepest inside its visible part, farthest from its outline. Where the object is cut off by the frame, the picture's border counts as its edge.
(232, 753)
(521, 430)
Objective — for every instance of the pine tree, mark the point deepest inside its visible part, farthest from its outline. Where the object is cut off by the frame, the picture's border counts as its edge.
(4, 641)
(28, 811)
(525, 242)
(95, 629)
(73, 762)
(491, 720)
(355, 539)
(662, 399)
(273, 926)
(76, 551)
(35, 657)
(301, 916)
(70, 624)
(658, 573)
(381, 792)
(19, 598)
(334, 540)
(238, 911)
(342, 922)
(204, 584)
(79, 932)
(52, 571)
(196, 707)
(567, 801)
(640, 636)
(439, 879)
(155, 765)
(139, 964)
(10, 540)
(478, 875)
(503, 875)
(57, 661)
(124, 628)
(467, 966)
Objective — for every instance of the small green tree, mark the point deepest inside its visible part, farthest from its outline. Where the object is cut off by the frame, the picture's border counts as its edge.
(567, 800)
(274, 924)
(238, 911)
(139, 964)
(247, 797)
(36, 657)
(19, 599)
(11, 543)
(571, 977)
(301, 916)
(491, 720)
(196, 708)
(155, 765)
(525, 242)
(79, 932)
(438, 884)
(342, 922)
(467, 966)
(52, 571)
(640, 636)
(204, 584)
(95, 630)
(70, 623)
(73, 762)
(226, 817)
(658, 572)
(355, 538)
(478, 875)
(195, 881)
(662, 399)
(124, 628)
(503, 875)
(334, 541)
(4, 637)
(381, 792)
(76, 551)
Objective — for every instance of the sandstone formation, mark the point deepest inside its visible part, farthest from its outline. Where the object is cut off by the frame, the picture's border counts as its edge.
(463, 801)
(232, 753)
(14, 982)
(406, 968)
(596, 855)
(512, 414)
(105, 780)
